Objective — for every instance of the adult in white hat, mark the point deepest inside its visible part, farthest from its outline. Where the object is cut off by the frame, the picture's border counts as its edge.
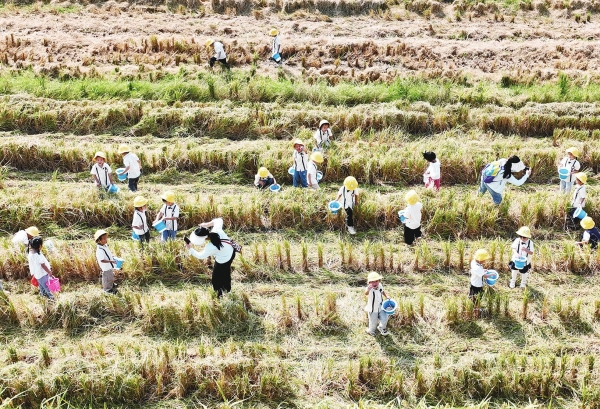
(323, 135)
(23, 237)
(497, 174)
(220, 55)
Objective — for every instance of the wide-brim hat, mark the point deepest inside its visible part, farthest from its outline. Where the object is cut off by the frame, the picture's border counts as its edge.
(139, 201)
(582, 177)
(99, 233)
(482, 255)
(373, 276)
(587, 223)
(100, 154)
(168, 196)
(573, 151)
(273, 32)
(524, 232)
(123, 149)
(209, 42)
(32, 231)
(323, 122)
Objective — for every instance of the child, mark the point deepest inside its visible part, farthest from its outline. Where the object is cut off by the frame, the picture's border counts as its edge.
(106, 262)
(521, 247)
(315, 157)
(276, 46)
(169, 212)
(431, 177)
(300, 163)
(101, 171)
(23, 237)
(591, 235)
(219, 56)
(478, 274)
(375, 312)
(412, 213)
(579, 196)
(571, 163)
(139, 223)
(39, 267)
(323, 135)
(263, 178)
(349, 198)
(133, 167)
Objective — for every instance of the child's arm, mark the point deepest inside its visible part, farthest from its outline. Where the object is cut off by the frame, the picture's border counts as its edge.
(356, 199)
(526, 250)
(385, 295)
(110, 177)
(310, 183)
(97, 180)
(170, 218)
(159, 216)
(46, 268)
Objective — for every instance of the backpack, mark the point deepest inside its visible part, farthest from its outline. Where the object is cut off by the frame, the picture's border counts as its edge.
(491, 170)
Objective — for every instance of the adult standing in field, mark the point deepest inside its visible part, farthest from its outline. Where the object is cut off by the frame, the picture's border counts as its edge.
(133, 167)
(497, 174)
(23, 237)
(221, 247)
(323, 135)
(219, 56)
(275, 46)
(572, 165)
(300, 158)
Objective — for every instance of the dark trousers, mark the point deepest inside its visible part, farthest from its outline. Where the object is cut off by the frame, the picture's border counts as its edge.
(145, 238)
(410, 235)
(475, 294)
(349, 218)
(265, 183)
(221, 277)
(223, 62)
(132, 183)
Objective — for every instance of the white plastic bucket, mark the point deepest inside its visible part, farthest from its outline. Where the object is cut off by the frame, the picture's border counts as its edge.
(563, 173)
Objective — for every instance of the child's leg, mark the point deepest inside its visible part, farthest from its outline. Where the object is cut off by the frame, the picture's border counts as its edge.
(373, 319)
(132, 184)
(383, 319)
(482, 187)
(524, 279)
(436, 184)
(349, 218)
(108, 279)
(513, 280)
(296, 178)
(304, 178)
(409, 237)
(43, 286)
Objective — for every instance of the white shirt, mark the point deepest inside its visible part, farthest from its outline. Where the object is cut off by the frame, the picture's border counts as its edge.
(276, 47)
(477, 272)
(499, 183)
(312, 174)
(102, 174)
(572, 165)
(413, 215)
(258, 178)
(347, 197)
(300, 161)
(20, 237)
(374, 299)
(139, 219)
(223, 255)
(170, 211)
(103, 253)
(322, 137)
(579, 196)
(131, 160)
(517, 247)
(219, 50)
(433, 170)
(36, 260)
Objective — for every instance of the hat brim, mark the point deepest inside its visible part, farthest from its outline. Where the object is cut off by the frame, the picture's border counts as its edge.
(517, 167)
(197, 240)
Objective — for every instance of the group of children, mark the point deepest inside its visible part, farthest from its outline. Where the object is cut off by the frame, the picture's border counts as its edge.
(102, 172)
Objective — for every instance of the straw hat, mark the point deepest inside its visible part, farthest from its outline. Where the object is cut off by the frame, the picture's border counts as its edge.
(298, 141)
(323, 122)
(139, 201)
(573, 151)
(411, 197)
(99, 234)
(350, 183)
(587, 223)
(100, 154)
(32, 231)
(263, 172)
(524, 232)
(582, 177)
(317, 157)
(123, 149)
(482, 255)
(209, 42)
(168, 196)
(273, 32)
(373, 276)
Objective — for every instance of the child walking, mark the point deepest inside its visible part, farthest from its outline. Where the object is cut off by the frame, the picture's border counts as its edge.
(478, 274)
(315, 158)
(39, 267)
(263, 178)
(432, 175)
(578, 199)
(106, 261)
(101, 171)
(300, 158)
(349, 198)
(570, 163)
(377, 317)
(412, 213)
(139, 223)
(169, 212)
(275, 46)
(323, 135)
(521, 247)
(591, 235)
(133, 167)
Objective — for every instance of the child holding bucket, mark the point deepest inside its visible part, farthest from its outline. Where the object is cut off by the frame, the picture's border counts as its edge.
(348, 194)
(139, 222)
(133, 167)
(412, 215)
(323, 135)
(275, 46)
(300, 158)
(478, 274)
(572, 166)
(39, 267)
(101, 171)
(169, 213)
(432, 175)
(522, 247)
(106, 261)
(315, 158)
(591, 235)
(263, 178)
(374, 307)
(578, 199)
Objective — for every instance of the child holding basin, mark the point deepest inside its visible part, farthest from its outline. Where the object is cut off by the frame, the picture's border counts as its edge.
(374, 306)
(169, 214)
(567, 168)
(102, 173)
(139, 223)
(349, 198)
(106, 261)
(133, 167)
(522, 249)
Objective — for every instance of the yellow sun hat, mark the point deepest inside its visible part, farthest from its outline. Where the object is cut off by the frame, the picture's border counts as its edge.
(317, 157)
(263, 172)
(209, 42)
(574, 151)
(99, 233)
(32, 231)
(350, 183)
(298, 141)
(582, 177)
(524, 232)
(587, 223)
(482, 255)
(169, 196)
(411, 197)
(123, 149)
(373, 276)
(100, 154)
(139, 201)
(273, 32)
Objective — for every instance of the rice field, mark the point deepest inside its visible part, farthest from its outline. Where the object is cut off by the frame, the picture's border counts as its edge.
(472, 81)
